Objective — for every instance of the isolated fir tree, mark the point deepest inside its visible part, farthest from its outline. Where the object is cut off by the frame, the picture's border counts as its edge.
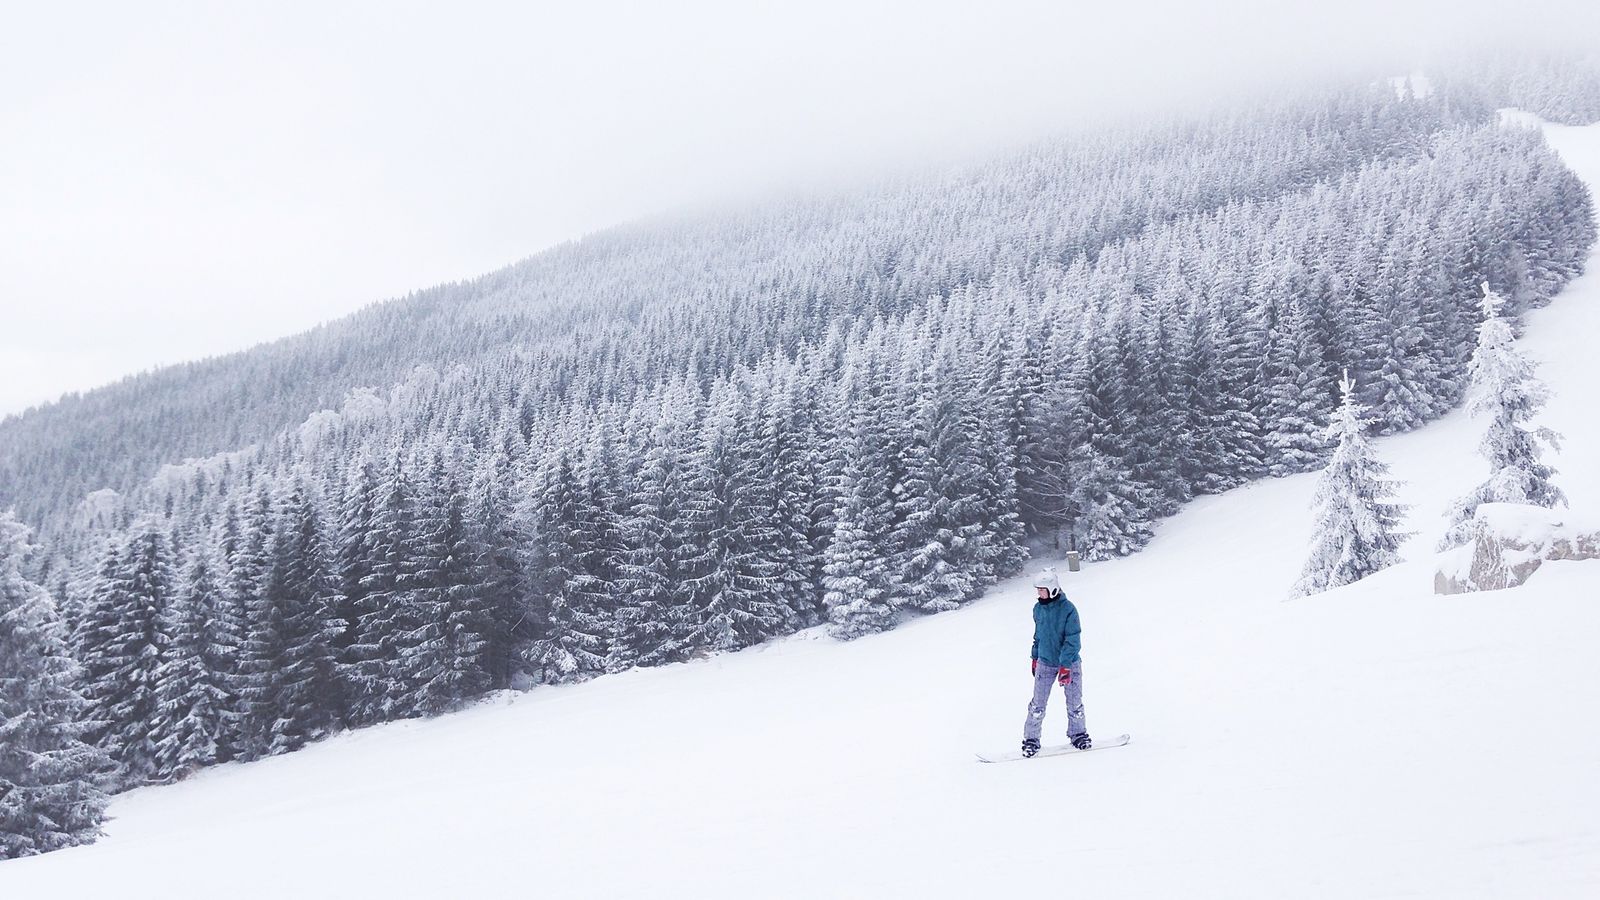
(49, 776)
(1355, 527)
(1504, 389)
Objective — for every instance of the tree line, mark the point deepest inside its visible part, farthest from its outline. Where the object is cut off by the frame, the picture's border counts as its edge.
(411, 552)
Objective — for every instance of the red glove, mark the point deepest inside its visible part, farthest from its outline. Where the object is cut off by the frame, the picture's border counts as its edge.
(1034, 668)
(1065, 676)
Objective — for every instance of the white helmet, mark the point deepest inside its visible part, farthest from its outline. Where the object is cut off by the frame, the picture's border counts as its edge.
(1048, 580)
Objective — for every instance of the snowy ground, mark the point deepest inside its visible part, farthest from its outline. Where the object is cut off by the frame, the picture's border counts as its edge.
(1376, 741)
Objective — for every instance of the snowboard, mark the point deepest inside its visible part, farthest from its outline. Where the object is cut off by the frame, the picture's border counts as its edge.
(1055, 750)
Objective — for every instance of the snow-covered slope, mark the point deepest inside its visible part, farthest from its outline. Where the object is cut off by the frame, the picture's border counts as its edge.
(1375, 741)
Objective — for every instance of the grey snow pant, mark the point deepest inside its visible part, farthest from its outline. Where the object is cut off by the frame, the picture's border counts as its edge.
(1042, 680)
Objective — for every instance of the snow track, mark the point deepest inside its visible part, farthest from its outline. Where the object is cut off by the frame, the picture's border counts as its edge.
(1374, 741)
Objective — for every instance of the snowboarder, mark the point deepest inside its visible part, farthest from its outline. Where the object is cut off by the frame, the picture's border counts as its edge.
(1055, 660)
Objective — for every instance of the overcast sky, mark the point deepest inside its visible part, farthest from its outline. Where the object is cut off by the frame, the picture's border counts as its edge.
(181, 180)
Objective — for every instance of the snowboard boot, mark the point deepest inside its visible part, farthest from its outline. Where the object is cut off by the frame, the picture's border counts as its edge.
(1081, 741)
(1029, 746)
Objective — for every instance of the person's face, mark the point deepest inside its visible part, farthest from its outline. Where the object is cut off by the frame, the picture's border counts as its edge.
(1044, 593)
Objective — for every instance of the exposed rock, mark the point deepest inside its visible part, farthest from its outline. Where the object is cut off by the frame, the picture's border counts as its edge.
(1510, 541)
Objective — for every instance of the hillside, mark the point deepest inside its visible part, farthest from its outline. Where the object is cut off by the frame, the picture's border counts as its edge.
(705, 294)
(1375, 741)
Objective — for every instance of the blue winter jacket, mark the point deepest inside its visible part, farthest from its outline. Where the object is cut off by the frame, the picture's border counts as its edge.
(1055, 632)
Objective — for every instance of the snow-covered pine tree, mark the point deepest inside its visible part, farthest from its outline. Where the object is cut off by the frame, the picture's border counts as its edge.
(1355, 528)
(1504, 389)
(225, 626)
(749, 530)
(1296, 396)
(1391, 332)
(1152, 359)
(466, 669)
(123, 644)
(1206, 468)
(1044, 484)
(93, 624)
(373, 657)
(571, 642)
(308, 690)
(1039, 448)
(1327, 304)
(937, 526)
(500, 539)
(731, 578)
(1109, 514)
(858, 598)
(352, 562)
(259, 571)
(1110, 509)
(861, 589)
(50, 793)
(1001, 551)
(647, 573)
(639, 634)
(1445, 317)
(1241, 340)
(785, 448)
(191, 702)
(418, 602)
(444, 656)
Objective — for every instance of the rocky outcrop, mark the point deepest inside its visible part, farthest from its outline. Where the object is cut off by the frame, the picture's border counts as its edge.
(1510, 542)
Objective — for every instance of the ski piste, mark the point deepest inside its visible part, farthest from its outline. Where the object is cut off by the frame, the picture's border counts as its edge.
(1054, 750)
